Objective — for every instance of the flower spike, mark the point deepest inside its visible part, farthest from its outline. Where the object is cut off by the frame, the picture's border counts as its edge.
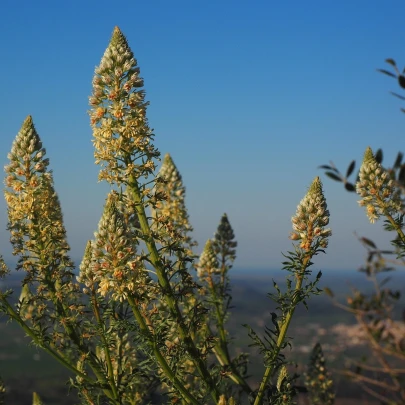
(122, 137)
(311, 218)
(377, 189)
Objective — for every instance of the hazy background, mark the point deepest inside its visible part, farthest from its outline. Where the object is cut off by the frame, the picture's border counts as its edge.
(249, 97)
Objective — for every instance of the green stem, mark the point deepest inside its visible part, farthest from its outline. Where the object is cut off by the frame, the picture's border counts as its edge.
(168, 291)
(70, 330)
(397, 228)
(283, 331)
(159, 356)
(221, 349)
(106, 349)
(62, 310)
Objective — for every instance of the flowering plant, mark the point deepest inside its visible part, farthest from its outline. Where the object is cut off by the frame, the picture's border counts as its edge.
(137, 324)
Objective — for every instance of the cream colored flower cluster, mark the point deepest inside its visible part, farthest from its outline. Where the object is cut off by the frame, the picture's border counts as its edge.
(208, 263)
(110, 263)
(377, 189)
(170, 214)
(35, 215)
(311, 218)
(118, 115)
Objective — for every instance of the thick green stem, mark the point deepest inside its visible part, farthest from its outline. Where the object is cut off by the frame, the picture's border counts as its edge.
(159, 356)
(283, 331)
(167, 289)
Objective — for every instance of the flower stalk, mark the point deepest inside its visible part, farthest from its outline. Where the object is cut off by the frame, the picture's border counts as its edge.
(309, 226)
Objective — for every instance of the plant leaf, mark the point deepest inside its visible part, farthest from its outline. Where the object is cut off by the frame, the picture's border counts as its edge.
(379, 156)
(386, 72)
(401, 175)
(398, 160)
(350, 168)
(368, 242)
(328, 168)
(350, 187)
(333, 176)
(397, 95)
(391, 62)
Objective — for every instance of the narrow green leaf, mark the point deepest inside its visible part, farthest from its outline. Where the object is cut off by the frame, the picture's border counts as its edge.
(386, 72)
(350, 168)
(401, 174)
(328, 292)
(398, 95)
(333, 176)
(328, 168)
(401, 81)
(379, 156)
(368, 242)
(398, 160)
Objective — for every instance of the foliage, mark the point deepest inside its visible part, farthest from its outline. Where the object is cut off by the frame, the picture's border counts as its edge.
(381, 189)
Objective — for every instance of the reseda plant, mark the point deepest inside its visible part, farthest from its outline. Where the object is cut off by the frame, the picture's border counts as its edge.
(136, 325)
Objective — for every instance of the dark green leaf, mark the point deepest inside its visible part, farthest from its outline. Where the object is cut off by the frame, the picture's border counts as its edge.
(403, 110)
(368, 242)
(350, 187)
(386, 72)
(350, 168)
(333, 176)
(397, 95)
(401, 81)
(328, 168)
(401, 175)
(379, 156)
(398, 160)
(391, 62)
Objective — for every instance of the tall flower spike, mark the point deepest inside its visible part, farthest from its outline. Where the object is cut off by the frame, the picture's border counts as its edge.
(122, 137)
(34, 212)
(171, 211)
(224, 241)
(208, 261)
(377, 189)
(311, 218)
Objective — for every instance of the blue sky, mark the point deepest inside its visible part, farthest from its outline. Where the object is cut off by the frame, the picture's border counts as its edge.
(249, 97)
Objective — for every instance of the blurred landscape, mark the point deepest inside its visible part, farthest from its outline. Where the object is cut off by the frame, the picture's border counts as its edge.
(25, 368)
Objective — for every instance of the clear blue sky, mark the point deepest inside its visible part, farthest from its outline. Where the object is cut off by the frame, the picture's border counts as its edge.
(249, 97)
